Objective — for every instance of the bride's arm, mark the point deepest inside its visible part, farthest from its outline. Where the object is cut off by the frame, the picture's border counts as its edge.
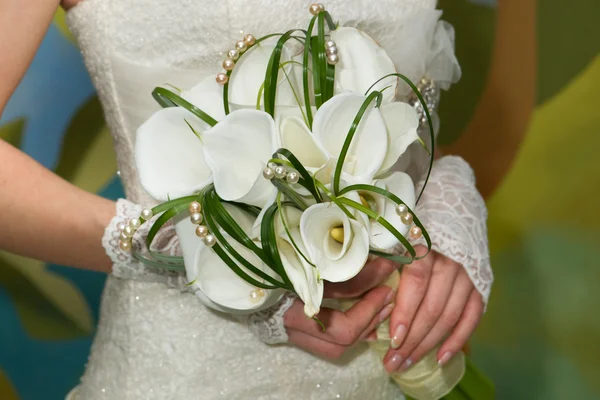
(47, 218)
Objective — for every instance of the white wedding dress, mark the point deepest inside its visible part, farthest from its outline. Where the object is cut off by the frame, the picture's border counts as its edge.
(155, 340)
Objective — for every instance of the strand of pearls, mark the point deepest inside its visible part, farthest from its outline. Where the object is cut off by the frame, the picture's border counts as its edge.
(280, 172)
(407, 219)
(195, 210)
(127, 230)
(241, 46)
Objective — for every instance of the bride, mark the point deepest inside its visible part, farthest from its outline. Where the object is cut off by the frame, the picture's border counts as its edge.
(154, 339)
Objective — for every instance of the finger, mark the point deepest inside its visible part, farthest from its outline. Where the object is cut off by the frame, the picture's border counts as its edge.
(411, 291)
(464, 328)
(374, 273)
(318, 347)
(453, 309)
(440, 287)
(341, 328)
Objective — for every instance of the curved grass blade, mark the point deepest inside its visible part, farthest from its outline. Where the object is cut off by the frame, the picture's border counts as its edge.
(305, 70)
(269, 243)
(308, 180)
(167, 98)
(287, 229)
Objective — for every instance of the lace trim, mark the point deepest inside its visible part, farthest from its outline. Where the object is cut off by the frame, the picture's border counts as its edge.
(125, 266)
(267, 325)
(455, 215)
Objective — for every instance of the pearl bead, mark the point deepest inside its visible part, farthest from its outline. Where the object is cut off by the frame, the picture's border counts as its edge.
(261, 292)
(233, 54)
(314, 9)
(280, 172)
(407, 219)
(228, 64)
(147, 214)
(128, 231)
(194, 207)
(123, 237)
(268, 173)
(210, 240)
(135, 223)
(249, 39)
(196, 218)
(201, 231)
(241, 46)
(415, 232)
(333, 59)
(254, 296)
(121, 226)
(293, 177)
(401, 209)
(321, 7)
(222, 78)
(125, 246)
(331, 50)
(329, 43)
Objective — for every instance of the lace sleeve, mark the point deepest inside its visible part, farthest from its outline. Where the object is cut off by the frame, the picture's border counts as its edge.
(455, 215)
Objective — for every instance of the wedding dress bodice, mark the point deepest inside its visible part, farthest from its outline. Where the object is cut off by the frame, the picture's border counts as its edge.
(158, 342)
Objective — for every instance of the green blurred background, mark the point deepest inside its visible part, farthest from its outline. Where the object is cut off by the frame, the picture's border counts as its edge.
(540, 338)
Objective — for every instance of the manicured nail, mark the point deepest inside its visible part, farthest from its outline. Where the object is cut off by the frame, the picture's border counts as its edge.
(385, 313)
(398, 336)
(445, 358)
(390, 297)
(406, 365)
(394, 363)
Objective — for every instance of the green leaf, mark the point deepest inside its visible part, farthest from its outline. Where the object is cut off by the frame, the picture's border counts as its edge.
(306, 179)
(269, 244)
(167, 98)
(305, 70)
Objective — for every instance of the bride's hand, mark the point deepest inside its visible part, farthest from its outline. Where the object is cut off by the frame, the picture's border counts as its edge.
(344, 328)
(435, 300)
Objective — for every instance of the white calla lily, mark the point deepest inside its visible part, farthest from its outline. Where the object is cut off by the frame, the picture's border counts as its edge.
(338, 259)
(400, 184)
(362, 63)
(402, 122)
(207, 96)
(236, 150)
(368, 149)
(169, 155)
(217, 286)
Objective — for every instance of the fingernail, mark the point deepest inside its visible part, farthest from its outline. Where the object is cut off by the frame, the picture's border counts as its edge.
(445, 358)
(390, 297)
(406, 365)
(398, 336)
(370, 339)
(394, 363)
(385, 313)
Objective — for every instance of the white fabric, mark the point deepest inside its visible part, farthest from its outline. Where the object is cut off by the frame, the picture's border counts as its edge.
(156, 342)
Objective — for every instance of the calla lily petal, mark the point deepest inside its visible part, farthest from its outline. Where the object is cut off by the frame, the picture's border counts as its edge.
(402, 186)
(296, 137)
(169, 155)
(402, 123)
(207, 96)
(337, 262)
(368, 148)
(362, 63)
(237, 149)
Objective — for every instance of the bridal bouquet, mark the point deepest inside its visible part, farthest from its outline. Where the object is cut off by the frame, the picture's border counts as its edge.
(279, 173)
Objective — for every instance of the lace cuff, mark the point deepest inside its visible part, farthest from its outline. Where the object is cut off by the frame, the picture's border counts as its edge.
(267, 325)
(125, 265)
(454, 214)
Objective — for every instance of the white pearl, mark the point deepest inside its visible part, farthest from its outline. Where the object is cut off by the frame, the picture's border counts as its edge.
(407, 219)
(293, 177)
(210, 240)
(128, 231)
(147, 214)
(233, 54)
(268, 173)
(314, 9)
(331, 50)
(254, 296)
(261, 292)
(121, 226)
(329, 43)
(196, 218)
(201, 231)
(228, 64)
(280, 172)
(401, 209)
(123, 237)
(241, 46)
(135, 223)
(415, 232)
(194, 207)
(222, 78)
(249, 39)
(125, 246)
(332, 59)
